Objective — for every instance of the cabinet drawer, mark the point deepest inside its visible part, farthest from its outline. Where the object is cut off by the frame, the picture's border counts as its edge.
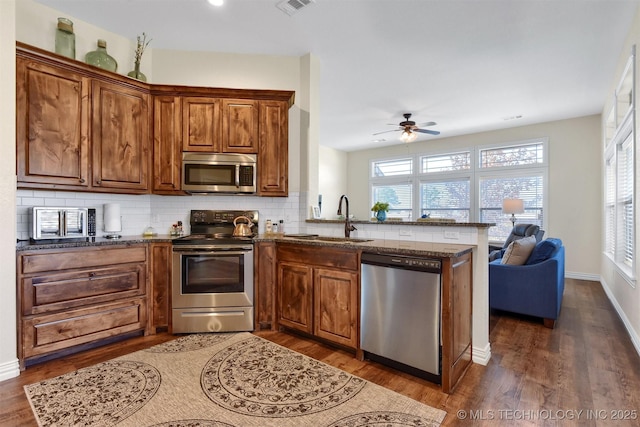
(48, 333)
(60, 291)
(319, 256)
(81, 258)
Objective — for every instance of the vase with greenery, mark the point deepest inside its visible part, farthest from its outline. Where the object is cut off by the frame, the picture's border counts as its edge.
(141, 46)
(380, 209)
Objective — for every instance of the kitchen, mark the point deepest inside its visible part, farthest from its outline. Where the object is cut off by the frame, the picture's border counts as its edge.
(160, 212)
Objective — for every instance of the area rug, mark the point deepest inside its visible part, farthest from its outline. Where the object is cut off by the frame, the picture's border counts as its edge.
(220, 380)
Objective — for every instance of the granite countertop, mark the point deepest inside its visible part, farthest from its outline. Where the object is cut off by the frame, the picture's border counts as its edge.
(26, 245)
(398, 247)
(381, 246)
(433, 223)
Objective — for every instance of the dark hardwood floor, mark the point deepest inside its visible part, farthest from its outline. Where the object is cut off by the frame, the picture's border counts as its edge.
(536, 376)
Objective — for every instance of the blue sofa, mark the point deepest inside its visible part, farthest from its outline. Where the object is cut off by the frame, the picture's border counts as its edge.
(533, 289)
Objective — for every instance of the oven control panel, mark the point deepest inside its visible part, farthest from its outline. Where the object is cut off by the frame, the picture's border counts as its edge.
(210, 217)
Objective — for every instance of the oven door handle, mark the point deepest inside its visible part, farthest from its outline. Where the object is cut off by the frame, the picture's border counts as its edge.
(210, 252)
(237, 176)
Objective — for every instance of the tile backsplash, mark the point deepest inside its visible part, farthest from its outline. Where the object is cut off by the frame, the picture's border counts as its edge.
(160, 212)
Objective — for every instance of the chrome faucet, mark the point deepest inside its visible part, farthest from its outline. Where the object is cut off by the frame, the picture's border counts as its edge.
(348, 227)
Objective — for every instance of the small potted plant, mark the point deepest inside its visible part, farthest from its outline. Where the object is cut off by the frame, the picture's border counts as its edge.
(380, 209)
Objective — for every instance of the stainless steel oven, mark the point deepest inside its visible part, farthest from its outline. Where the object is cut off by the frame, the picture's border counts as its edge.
(212, 278)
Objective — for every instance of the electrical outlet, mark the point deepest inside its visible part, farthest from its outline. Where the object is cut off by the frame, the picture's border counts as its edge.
(405, 233)
(451, 235)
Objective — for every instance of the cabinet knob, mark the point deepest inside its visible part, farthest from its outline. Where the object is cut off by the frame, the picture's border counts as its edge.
(82, 180)
(98, 182)
(92, 274)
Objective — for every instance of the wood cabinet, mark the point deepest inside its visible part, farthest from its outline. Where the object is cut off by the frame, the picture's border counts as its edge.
(71, 298)
(167, 152)
(160, 286)
(202, 124)
(120, 137)
(273, 153)
(79, 128)
(265, 276)
(456, 319)
(317, 292)
(240, 126)
(52, 126)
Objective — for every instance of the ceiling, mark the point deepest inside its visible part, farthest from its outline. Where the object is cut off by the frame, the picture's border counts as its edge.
(469, 65)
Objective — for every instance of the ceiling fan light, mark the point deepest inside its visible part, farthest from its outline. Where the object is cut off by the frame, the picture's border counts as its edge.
(408, 136)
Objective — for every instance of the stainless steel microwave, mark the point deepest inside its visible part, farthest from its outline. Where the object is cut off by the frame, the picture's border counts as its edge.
(62, 223)
(218, 173)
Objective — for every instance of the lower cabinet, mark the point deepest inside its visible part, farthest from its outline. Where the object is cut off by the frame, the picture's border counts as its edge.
(317, 292)
(75, 297)
(160, 289)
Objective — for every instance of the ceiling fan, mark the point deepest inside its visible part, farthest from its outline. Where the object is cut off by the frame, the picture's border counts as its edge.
(409, 129)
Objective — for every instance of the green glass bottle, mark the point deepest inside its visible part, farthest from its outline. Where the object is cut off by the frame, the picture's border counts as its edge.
(100, 58)
(65, 39)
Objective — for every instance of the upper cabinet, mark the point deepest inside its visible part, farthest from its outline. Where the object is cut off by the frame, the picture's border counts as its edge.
(120, 130)
(52, 126)
(239, 126)
(202, 124)
(81, 128)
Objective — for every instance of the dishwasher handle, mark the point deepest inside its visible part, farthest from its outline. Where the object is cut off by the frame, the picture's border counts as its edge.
(431, 265)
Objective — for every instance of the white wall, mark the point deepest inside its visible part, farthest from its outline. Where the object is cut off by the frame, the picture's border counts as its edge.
(36, 25)
(625, 296)
(333, 180)
(574, 199)
(8, 358)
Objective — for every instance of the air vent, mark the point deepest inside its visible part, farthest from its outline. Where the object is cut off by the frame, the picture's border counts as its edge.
(291, 7)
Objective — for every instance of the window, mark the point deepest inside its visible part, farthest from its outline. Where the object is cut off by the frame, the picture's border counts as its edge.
(454, 185)
(619, 197)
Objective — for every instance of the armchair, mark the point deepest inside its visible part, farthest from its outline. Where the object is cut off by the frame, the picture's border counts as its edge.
(518, 232)
(533, 289)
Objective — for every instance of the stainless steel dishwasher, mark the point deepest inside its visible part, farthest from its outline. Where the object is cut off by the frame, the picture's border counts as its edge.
(400, 313)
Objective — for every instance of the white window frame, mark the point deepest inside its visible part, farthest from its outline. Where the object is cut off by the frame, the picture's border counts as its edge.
(620, 130)
(474, 174)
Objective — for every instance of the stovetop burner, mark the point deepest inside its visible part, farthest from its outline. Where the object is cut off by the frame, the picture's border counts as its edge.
(210, 227)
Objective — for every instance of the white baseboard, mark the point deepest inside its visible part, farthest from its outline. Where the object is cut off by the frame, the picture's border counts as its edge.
(581, 276)
(9, 370)
(635, 339)
(481, 356)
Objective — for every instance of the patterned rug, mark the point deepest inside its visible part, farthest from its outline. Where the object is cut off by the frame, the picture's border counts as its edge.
(220, 380)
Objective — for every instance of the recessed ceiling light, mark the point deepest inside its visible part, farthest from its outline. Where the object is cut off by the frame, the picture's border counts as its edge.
(216, 2)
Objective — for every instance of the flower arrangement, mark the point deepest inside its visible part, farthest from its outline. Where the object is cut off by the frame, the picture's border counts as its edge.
(380, 206)
(140, 47)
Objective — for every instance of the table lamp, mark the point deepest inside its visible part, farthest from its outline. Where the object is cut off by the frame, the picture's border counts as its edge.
(512, 206)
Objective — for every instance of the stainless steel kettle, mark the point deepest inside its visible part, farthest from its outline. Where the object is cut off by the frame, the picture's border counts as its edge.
(241, 229)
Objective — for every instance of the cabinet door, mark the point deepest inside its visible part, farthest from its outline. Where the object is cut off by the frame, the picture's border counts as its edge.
(52, 120)
(273, 155)
(335, 305)
(160, 285)
(295, 290)
(239, 126)
(167, 145)
(456, 320)
(265, 284)
(121, 145)
(202, 125)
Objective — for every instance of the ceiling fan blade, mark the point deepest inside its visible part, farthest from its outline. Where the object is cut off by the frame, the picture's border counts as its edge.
(422, 125)
(432, 132)
(387, 131)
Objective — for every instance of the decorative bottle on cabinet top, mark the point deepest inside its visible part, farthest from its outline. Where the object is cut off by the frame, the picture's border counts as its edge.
(100, 58)
(65, 39)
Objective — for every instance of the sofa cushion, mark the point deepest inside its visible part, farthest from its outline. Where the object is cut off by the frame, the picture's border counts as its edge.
(544, 250)
(518, 251)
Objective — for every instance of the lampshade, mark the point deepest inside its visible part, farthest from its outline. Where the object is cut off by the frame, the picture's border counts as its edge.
(512, 206)
(408, 136)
